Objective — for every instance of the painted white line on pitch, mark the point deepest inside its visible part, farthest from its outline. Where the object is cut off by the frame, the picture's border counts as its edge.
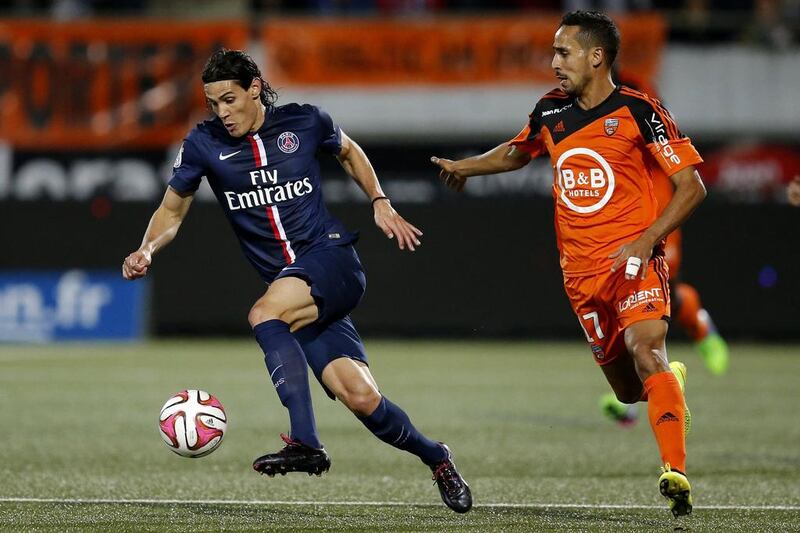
(36, 357)
(122, 501)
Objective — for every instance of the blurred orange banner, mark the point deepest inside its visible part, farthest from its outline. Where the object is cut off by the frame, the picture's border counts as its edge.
(454, 50)
(105, 84)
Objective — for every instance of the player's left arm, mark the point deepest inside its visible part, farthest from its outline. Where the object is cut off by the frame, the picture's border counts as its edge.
(689, 193)
(357, 165)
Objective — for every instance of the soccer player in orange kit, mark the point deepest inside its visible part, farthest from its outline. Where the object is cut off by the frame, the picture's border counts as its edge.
(605, 144)
(686, 307)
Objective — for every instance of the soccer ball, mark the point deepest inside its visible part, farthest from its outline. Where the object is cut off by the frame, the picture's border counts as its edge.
(192, 423)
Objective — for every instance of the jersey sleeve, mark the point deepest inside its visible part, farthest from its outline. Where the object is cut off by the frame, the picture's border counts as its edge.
(672, 150)
(529, 140)
(330, 134)
(188, 169)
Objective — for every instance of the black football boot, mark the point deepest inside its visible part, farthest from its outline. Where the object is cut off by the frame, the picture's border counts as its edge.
(294, 457)
(454, 490)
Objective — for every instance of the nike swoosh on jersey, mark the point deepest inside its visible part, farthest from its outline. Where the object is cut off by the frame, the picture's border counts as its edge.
(224, 157)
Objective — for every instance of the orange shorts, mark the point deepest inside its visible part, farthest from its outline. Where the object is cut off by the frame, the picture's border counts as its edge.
(608, 303)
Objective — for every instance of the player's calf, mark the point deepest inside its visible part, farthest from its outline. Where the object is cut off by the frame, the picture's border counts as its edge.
(288, 372)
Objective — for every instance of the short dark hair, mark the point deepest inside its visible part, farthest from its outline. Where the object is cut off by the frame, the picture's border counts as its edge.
(596, 29)
(236, 65)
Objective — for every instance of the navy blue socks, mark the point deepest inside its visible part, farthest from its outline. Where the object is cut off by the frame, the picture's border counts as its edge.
(288, 370)
(286, 363)
(391, 424)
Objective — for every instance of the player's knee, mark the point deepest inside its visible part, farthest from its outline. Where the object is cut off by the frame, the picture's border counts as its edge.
(650, 354)
(361, 400)
(263, 311)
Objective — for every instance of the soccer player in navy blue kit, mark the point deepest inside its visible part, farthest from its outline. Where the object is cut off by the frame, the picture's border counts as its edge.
(261, 162)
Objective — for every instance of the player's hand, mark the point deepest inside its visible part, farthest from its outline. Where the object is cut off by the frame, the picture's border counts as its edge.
(136, 264)
(393, 225)
(636, 254)
(793, 191)
(449, 173)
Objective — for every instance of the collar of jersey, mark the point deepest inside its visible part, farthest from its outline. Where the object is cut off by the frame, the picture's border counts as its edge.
(598, 107)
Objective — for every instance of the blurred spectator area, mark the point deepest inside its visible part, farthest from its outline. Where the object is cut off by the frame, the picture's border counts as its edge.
(768, 23)
(92, 115)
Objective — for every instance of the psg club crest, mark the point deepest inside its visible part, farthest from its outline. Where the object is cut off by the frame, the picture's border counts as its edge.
(611, 126)
(288, 142)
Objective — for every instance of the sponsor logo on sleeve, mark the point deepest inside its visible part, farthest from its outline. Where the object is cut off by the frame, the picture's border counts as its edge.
(662, 141)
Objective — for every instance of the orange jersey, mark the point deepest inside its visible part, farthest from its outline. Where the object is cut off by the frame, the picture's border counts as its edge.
(604, 161)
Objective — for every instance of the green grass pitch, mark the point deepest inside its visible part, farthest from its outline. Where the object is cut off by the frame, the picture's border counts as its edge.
(80, 448)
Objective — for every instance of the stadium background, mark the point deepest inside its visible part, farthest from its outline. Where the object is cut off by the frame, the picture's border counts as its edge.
(96, 97)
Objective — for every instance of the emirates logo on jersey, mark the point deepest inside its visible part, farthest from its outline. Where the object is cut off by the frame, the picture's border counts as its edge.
(610, 126)
(584, 179)
(267, 191)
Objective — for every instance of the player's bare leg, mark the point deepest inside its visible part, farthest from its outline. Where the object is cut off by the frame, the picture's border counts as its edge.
(288, 299)
(286, 307)
(620, 406)
(646, 344)
(628, 389)
(352, 383)
(621, 374)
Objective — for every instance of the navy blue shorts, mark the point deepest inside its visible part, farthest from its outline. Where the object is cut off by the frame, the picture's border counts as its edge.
(336, 278)
(337, 283)
(323, 344)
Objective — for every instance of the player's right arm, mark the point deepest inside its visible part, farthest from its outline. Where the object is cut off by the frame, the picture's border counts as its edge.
(162, 229)
(503, 158)
(187, 173)
(511, 155)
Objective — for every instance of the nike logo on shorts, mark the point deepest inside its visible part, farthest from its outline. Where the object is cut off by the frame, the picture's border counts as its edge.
(224, 157)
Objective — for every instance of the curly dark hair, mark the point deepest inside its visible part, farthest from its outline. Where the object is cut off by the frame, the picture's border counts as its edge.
(596, 29)
(236, 65)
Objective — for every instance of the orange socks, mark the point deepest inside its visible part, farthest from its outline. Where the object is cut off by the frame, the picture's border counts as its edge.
(691, 315)
(665, 408)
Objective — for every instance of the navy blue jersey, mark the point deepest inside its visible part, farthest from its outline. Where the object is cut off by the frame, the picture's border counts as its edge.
(268, 183)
